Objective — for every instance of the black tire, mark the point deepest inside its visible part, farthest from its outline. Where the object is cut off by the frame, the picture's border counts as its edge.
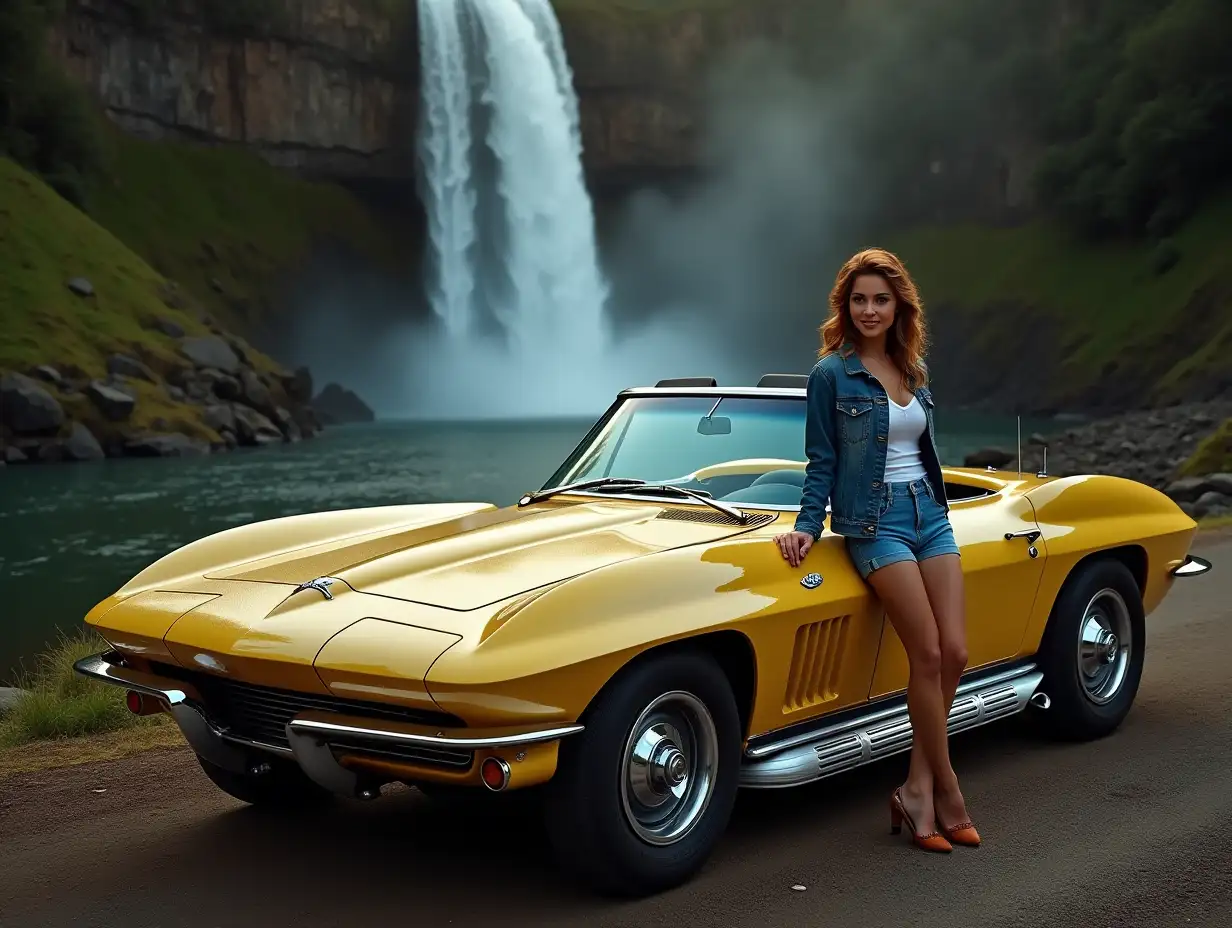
(1103, 590)
(282, 786)
(585, 805)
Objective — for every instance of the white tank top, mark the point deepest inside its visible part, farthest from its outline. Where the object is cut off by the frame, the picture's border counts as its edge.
(907, 424)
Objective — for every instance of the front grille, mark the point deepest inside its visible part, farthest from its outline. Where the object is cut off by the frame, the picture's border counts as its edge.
(260, 713)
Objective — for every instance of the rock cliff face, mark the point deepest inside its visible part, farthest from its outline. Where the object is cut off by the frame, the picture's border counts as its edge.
(329, 87)
(323, 86)
(641, 79)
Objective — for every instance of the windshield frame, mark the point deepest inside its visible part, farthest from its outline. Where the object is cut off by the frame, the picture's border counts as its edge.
(601, 424)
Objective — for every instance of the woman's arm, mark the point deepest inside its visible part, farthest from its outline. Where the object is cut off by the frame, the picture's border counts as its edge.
(819, 446)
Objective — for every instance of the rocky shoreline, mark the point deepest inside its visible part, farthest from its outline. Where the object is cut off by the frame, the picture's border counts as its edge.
(214, 400)
(1157, 447)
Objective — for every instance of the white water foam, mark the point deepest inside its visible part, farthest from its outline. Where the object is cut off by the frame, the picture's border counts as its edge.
(511, 224)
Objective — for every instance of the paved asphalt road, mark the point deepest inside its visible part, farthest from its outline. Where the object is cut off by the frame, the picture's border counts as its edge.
(1131, 831)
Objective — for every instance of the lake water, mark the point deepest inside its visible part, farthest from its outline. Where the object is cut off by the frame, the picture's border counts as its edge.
(71, 534)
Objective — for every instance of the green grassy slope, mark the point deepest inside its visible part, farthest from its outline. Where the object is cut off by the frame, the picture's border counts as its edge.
(222, 222)
(1115, 320)
(45, 241)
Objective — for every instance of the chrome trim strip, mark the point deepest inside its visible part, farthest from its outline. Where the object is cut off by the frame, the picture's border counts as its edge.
(884, 734)
(971, 684)
(1192, 566)
(319, 728)
(202, 735)
(793, 393)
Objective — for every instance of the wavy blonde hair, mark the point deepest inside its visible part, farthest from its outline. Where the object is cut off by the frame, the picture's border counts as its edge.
(907, 340)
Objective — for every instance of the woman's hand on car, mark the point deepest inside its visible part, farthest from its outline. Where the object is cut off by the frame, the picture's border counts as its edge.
(794, 546)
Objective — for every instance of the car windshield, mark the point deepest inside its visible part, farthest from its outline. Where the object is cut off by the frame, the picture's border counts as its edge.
(742, 449)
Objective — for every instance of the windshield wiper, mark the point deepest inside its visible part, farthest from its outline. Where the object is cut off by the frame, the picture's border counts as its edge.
(538, 495)
(642, 487)
(630, 485)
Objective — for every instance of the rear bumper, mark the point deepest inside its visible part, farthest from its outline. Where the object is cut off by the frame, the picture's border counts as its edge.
(1192, 566)
(346, 754)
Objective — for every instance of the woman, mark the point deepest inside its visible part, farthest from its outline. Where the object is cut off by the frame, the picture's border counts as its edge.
(873, 456)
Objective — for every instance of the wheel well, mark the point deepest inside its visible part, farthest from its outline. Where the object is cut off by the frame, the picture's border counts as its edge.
(731, 649)
(1132, 556)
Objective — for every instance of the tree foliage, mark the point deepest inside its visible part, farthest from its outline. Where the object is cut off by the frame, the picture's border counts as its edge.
(1141, 126)
(46, 122)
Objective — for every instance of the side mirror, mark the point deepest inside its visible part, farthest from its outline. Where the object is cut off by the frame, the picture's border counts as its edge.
(714, 425)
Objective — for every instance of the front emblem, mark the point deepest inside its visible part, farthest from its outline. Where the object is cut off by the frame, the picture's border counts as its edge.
(320, 584)
(811, 581)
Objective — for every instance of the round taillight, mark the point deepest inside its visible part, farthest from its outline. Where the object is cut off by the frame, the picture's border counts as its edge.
(495, 773)
(134, 702)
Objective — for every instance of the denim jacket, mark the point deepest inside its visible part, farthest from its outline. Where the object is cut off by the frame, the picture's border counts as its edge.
(846, 436)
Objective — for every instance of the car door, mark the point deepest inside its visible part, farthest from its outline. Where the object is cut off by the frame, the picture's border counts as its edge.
(1001, 578)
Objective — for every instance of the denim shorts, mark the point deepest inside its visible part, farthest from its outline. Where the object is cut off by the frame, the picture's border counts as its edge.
(912, 526)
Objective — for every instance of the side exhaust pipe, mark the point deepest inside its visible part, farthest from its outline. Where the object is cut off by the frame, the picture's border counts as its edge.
(1040, 700)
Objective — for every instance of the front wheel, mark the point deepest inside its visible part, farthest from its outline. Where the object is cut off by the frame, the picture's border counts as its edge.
(642, 796)
(1092, 652)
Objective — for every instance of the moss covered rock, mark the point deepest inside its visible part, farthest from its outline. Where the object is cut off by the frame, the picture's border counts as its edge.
(1213, 454)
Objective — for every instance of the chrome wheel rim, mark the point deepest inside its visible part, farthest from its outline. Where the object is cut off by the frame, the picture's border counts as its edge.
(668, 768)
(1105, 645)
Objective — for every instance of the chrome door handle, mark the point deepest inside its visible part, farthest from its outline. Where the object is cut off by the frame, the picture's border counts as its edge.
(1031, 534)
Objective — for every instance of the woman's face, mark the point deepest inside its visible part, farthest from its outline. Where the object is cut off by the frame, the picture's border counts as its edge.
(872, 305)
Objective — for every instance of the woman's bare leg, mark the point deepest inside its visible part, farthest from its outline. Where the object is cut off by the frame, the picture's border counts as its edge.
(901, 589)
(943, 580)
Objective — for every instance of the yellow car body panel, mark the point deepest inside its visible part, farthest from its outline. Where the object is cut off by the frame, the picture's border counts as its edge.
(517, 618)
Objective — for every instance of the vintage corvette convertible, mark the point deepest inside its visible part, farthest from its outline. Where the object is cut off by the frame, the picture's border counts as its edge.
(627, 640)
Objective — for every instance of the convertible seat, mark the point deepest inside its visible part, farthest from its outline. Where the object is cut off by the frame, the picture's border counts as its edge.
(793, 477)
(775, 494)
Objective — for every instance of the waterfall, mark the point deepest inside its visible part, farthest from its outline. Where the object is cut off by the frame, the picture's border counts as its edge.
(512, 247)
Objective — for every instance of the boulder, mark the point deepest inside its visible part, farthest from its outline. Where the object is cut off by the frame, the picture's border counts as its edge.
(111, 401)
(81, 286)
(1210, 504)
(252, 428)
(48, 373)
(255, 393)
(298, 385)
(10, 696)
(1220, 483)
(121, 365)
(288, 425)
(224, 386)
(168, 327)
(1186, 490)
(336, 406)
(210, 351)
(14, 455)
(164, 446)
(26, 408)
(81, 445)
(220, 418)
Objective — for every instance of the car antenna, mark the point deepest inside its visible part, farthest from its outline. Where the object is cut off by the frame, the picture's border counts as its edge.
(1020, 446)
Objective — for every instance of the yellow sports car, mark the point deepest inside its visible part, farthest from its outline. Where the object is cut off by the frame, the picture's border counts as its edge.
(628, 640)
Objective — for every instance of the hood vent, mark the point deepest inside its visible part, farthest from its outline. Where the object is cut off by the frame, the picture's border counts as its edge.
(712, 517)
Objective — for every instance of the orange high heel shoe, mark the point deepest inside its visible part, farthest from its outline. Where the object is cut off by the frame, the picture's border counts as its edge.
(933, 841)
(964, 834)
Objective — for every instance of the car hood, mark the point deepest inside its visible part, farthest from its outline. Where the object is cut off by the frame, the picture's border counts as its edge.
(478, 558)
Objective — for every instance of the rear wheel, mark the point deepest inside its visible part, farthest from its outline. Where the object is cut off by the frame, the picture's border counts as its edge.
(1092, 652)
(642, 796)
(272, 784)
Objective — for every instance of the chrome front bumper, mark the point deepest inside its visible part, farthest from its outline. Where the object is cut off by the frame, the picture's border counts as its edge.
(1192, 566)
(312, 735)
